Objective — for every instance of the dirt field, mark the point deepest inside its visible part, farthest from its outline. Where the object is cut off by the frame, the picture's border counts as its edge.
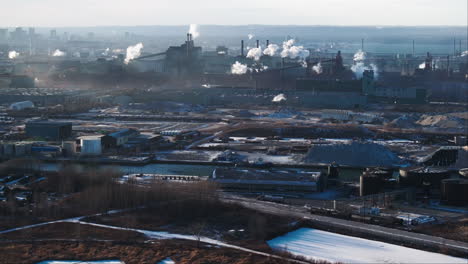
(450, 230)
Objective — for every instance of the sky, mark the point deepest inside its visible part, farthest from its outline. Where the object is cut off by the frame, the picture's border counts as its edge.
(66, 13)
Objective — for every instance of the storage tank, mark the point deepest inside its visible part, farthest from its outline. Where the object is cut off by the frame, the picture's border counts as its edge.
(69, 148)
(369, 184)
(416, 176)
(91, 146)
(455, 192)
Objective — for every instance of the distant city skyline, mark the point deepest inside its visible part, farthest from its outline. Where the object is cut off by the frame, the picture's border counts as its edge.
(89, 13)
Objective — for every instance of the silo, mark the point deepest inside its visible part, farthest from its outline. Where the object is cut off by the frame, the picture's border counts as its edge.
(454, 192)
(369, 184)
(69, 148)
(91, 146)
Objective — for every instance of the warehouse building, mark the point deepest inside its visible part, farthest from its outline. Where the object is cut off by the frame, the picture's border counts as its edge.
(271, 181)
(49, 130)
(118, 138)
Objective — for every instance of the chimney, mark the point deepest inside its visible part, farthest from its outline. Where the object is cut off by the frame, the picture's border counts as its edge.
(362, 44)
(267, 43)
(188, 37)
(258, 43)
(242, 48)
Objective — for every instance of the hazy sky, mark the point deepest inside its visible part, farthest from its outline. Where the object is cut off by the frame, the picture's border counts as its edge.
(57, 13)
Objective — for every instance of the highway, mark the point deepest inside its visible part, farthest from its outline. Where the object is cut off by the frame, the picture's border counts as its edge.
(384, 233)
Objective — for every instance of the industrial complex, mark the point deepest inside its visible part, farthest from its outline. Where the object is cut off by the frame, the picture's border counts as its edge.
(325, 134)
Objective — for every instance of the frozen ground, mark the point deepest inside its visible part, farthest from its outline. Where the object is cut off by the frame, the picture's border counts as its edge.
(84, 262)
(317, 244)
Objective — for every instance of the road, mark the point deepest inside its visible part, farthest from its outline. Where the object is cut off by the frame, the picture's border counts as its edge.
(385, 233)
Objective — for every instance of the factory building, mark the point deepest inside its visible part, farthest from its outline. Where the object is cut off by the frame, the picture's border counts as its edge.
(185, 59)
(118, 138)
(91, 145)
(49, 130)
(269, 181)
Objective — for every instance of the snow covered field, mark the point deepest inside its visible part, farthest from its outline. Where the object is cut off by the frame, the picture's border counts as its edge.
(317, 244)
(81, 262)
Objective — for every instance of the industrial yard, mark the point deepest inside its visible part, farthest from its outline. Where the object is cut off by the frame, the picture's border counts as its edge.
(234, 144)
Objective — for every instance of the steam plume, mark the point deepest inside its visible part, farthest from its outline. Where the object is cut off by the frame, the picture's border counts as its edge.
(318, 68)
(194, 31)
(250, 36)
(294, 52)
(255, 53)
(422, 66)
(359, 56)
(13, 54)
(271, 50)
(59, 53)
(133, 52)
(359, 66)
(279, 98)
(239, 68)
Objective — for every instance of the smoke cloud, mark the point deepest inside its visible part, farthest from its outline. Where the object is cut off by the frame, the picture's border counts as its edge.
(318, 68)
(359, 66)
(59, 53)
(194, 31)
(255, 53)
(271, 50)
(250, 36)
(133, 52)
(359, 56)
(422, 66)
(279, 98)
(13, 54)
(465, 53)
(239, 68)
(294, 52)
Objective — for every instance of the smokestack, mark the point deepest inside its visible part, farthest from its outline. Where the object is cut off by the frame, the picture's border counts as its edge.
(460, 48)
(258, 43)
(242, 48)
(448, 64)
(362, 44)
(268, 43)
(454, 47)
(188, 37)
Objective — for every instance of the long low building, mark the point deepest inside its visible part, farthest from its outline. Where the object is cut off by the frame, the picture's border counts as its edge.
(253, 180)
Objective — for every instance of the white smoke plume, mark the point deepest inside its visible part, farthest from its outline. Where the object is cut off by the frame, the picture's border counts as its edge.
(359, 56)
(194, 31)
(271, 50)
(239, 68)
(318, 68)
(465, 53)
(422, 66)
(133, 52)
(359, 67)
(294, 52)
(279, 98)
(59, 53)
(250, 36)
(255, 53)
(106, 52)
(13, 54)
